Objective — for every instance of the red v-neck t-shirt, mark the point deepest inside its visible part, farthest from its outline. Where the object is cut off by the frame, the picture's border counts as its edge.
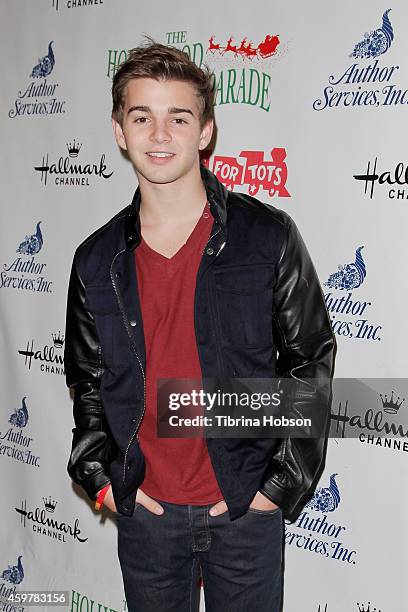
(178, 470)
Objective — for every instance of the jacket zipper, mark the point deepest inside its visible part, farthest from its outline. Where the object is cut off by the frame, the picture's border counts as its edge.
(213, 315)
(210, 238)
(129, 332)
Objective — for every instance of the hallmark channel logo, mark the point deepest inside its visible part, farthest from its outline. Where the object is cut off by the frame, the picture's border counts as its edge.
(360, 607)
(314, 532)
(42, 519)
(49, 358)
(365, 85)
(251, 169)
(14, 442)
(375, 425)
(349, 315)
(68, 172)
(72, 4)
(368, 607)
(40, 96)
(241, 70)
(395, 181)
(25, 272)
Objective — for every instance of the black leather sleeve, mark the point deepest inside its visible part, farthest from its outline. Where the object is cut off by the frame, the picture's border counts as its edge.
(306, 349)
(92, 442)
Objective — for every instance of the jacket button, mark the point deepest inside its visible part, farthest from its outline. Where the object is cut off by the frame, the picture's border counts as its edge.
(133, 323)
(209, 251)
(128, 468)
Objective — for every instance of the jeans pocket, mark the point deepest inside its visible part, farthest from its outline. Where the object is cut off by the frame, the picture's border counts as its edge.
(117, 515)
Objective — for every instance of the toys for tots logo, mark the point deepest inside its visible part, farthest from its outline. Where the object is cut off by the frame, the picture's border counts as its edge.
(253, 170)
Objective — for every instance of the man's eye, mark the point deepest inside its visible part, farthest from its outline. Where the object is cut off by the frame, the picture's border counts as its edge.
(140, 120)
(180, 120)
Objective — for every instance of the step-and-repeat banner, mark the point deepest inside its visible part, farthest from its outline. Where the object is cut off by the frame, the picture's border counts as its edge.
(311, 108)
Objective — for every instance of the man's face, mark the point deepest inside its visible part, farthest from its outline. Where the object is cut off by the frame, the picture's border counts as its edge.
(161, 129)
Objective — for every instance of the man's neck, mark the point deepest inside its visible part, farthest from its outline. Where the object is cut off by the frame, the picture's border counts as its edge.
(172, 204)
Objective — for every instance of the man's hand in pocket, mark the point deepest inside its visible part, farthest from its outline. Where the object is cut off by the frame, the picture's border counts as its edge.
(148, 502)
(260, 502)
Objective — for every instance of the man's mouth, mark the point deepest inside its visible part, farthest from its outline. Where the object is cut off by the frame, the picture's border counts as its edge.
(159, 154)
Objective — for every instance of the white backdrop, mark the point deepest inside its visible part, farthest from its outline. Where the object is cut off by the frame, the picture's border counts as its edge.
(283, 115)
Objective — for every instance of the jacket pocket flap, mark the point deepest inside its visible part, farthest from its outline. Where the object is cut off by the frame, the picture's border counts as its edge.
(247, 280)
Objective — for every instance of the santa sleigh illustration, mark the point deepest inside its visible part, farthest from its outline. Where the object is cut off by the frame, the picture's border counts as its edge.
(265, 49)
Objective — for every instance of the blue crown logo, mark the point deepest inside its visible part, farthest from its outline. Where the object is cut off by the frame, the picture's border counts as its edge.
(376, 42)
(45, 64)
(350, 275)
(325, 499)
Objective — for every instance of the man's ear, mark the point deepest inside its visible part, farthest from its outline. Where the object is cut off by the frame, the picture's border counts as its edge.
(206, 134)
(118, 132)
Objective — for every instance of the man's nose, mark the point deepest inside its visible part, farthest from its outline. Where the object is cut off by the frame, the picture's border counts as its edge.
(160, 132)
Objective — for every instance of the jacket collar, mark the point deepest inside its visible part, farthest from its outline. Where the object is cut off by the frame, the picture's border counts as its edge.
(216, 194)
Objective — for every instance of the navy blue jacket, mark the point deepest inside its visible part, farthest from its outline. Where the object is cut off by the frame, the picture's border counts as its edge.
(259, 312)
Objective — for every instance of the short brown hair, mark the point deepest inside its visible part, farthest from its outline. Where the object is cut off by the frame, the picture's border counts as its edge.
(163, 62)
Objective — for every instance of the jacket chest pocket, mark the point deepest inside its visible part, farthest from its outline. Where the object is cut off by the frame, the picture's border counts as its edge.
(102, 303)
(244, 299)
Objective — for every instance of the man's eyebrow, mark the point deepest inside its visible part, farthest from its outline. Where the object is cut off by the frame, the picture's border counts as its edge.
(173, 110)
(143, 109)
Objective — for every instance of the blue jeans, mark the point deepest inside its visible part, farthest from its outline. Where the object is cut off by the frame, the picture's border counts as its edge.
(162, 557)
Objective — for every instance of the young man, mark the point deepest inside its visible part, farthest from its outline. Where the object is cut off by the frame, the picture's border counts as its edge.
(189, 281)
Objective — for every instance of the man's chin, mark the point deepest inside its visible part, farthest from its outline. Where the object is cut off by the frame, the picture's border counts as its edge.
(163, 180)
(163, 177)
